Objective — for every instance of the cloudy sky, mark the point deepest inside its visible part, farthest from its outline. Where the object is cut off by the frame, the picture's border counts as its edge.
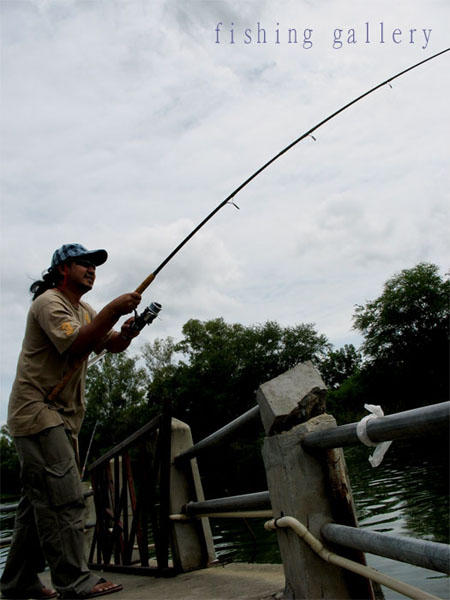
(125, 122)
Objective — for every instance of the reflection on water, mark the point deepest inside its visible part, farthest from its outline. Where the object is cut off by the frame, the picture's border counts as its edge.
(244, 540)
(408, 494)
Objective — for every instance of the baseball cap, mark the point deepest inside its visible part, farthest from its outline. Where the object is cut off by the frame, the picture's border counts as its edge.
(68, 251)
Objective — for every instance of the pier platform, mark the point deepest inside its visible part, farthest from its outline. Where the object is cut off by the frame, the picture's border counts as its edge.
(234, 581)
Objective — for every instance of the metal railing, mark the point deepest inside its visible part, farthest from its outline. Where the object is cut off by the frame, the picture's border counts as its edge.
(118, 535)
(419, 422)
(131, 495)
(421, 553)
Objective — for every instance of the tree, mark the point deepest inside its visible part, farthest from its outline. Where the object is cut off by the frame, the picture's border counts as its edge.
(158, 354)
(411, 314)
(405, 334)
(220, 367)
(115, 400)
(339, 365)
(223, 364)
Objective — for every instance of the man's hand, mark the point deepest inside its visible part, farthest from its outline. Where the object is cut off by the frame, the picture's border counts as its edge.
(127, 332)
(126, 303)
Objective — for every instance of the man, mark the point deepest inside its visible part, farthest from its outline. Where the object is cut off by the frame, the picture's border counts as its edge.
(61, 331)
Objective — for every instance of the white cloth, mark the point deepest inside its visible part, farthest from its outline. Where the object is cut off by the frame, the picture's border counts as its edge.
(361, 431)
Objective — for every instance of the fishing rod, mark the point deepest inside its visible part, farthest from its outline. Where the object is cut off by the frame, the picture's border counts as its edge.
(148, 280)
(88, 452)
(229, 199)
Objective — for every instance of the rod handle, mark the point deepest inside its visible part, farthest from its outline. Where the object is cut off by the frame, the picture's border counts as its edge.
(144, 285)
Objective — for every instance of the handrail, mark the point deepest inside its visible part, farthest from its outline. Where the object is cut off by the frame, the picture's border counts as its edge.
(129, 441)
(421, 553)
(257, 500)
(433, 419)
(220, 435)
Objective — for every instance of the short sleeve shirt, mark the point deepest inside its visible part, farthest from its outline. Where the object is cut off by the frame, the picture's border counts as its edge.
(52, 325)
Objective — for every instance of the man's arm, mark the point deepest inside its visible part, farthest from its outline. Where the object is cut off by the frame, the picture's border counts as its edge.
(90, 335)
(118, 342)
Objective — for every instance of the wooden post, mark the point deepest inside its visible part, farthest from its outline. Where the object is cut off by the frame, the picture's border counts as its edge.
(193, 546)
(299, 482)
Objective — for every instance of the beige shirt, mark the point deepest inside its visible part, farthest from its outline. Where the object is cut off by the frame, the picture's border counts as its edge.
(52, 325)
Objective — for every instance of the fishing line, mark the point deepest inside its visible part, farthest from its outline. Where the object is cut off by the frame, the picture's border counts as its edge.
(308, 133)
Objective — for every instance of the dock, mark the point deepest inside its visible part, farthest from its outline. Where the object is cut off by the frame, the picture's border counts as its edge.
(234, 581)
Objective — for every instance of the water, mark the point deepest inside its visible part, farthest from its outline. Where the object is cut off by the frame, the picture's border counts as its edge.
(407, 495)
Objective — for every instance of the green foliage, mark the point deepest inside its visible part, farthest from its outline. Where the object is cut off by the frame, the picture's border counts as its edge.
(339, 365)
(115, 399)
(223, 364)
(346, 403)
(10, 468)
(409, 318)
(405, 334)
(158, 354)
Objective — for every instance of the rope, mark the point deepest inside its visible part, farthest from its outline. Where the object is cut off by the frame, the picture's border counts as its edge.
(345, 563)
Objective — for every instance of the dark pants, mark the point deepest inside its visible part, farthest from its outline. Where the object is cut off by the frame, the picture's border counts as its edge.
(49, 520)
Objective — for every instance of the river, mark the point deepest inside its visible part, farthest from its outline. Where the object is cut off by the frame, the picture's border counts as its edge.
(408, 494)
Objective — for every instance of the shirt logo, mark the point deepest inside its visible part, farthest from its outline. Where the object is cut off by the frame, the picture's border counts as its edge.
(67, 328)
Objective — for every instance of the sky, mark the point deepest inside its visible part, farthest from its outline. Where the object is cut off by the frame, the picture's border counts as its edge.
(125, 122)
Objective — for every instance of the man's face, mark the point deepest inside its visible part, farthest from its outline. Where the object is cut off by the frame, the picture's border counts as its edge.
(81, 274)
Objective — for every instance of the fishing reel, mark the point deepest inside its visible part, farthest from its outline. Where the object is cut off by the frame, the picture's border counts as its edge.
(146, 317)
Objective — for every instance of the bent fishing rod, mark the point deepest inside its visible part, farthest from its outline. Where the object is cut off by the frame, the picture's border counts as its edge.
(229, 199)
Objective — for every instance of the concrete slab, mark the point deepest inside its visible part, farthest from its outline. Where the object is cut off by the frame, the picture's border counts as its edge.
(235, 581)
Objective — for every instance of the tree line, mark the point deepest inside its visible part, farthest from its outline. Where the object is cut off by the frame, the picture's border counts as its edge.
(211, 375)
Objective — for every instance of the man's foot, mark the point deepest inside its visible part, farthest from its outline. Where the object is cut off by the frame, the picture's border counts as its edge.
(102, 588)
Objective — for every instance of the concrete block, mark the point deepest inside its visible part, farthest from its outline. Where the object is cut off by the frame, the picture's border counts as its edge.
(291, 398)
(298, 488)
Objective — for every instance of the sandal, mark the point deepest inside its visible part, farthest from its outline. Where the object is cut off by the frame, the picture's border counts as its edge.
(102, 588)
